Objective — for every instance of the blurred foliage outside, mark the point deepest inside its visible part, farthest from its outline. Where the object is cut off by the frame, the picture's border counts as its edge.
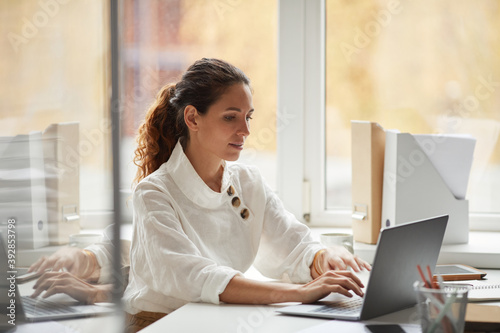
(418, 67)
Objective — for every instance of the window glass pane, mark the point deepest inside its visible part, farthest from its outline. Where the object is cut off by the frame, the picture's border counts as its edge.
(419, 67)
(54, 69)
(161, 39)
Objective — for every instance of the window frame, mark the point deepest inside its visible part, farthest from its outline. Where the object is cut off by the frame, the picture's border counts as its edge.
(301, 100)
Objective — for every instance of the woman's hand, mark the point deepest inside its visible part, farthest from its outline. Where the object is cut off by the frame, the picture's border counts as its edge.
(341, 282)
(64, 282)
(336, 258)
(241, 290)
(71, 259)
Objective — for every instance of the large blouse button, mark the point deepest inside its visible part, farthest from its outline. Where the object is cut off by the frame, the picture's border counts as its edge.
(244, 213)
(236, 202)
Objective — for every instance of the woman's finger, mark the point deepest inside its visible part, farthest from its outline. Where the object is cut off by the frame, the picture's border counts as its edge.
(60, 264)
(364, 264)
(39, 288)
(350, 284)
(353, 277)
(44, 277)
(335, 263)
(339, 289)
(346, 280)
(351, 262)
(47, 264)
(54, 289)
(36, 264)
(48, 281)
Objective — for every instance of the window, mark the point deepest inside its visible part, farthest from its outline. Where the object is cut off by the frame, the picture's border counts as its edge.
(49, 76)
(421, 68)
(55, 69)
(162, 38)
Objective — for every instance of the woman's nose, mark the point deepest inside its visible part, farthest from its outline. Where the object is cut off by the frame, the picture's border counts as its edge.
(244, 128)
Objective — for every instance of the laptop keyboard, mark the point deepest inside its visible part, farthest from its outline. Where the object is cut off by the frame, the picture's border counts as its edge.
(37, 307)
(346, 307)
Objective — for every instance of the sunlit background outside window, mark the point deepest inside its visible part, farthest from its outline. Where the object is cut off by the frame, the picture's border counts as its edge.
(419, 67)
(54, 69)
(56, 61)
(162, 38)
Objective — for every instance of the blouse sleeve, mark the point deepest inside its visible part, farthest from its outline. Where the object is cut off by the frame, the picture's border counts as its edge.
(287, 248)
(166, 259)
(104, 255)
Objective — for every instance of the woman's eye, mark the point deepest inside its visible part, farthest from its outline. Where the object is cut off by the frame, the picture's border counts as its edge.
(229, 118)
(249, 117)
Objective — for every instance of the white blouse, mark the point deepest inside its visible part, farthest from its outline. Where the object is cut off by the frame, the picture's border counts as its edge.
(103, 252)
(189, 241)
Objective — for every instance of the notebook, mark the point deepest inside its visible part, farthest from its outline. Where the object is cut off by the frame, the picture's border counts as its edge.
(390, 285)
(16, 310)
(480, 292)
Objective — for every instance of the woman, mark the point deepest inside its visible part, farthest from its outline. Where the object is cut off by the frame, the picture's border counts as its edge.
(199, 223)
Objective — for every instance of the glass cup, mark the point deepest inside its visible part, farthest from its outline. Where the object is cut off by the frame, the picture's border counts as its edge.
(441, 310)
(338, 239)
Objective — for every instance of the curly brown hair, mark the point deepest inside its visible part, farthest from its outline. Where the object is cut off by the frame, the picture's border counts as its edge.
(200, 86)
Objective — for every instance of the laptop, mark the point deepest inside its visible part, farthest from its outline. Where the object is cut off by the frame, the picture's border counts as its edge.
(17, 309)
(390, 285)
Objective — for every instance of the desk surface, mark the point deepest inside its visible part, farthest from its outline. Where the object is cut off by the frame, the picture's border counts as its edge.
(198, 317)
(248, 318)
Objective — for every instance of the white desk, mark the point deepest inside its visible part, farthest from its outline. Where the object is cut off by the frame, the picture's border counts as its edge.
(201, 317)
(198, 317)
(248, 318)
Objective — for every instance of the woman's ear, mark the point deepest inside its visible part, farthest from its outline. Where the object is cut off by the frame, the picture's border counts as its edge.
(191, 117)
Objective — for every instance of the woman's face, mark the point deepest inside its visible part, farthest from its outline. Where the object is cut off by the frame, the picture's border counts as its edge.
(223, 129)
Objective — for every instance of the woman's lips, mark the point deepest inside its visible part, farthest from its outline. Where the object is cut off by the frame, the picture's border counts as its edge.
(237, 145)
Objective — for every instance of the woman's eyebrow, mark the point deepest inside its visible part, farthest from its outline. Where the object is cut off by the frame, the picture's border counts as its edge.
(231, 108)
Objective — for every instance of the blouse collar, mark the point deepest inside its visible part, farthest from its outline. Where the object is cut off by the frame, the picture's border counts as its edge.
(191, 184)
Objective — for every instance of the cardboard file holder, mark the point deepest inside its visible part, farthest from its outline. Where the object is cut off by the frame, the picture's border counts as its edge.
(368, 145)
(62, 169)
(413, 189)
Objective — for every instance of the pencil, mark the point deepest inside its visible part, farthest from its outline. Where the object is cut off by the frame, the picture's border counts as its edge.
(422, 276)
(431, 280)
